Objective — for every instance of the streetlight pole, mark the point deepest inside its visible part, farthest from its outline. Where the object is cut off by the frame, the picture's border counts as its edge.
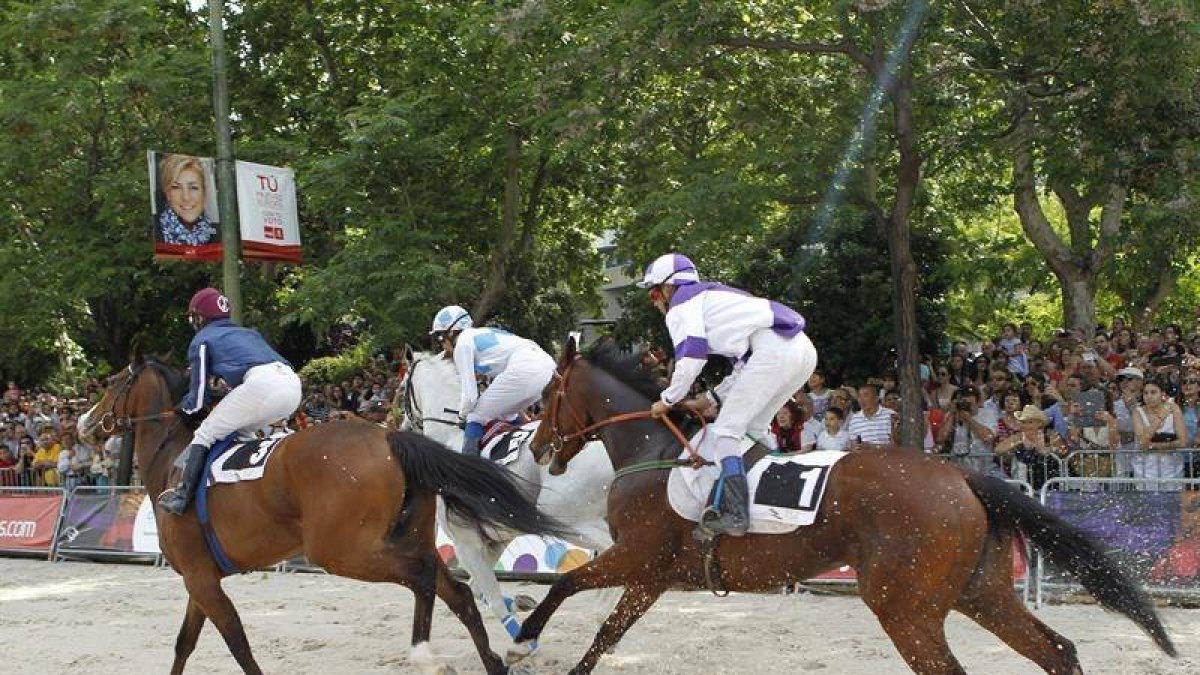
(226, 182)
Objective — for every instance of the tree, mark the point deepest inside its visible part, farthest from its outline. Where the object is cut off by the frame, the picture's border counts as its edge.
(1098, 99)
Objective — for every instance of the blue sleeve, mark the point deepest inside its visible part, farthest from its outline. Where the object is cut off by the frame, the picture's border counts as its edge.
(197, 393)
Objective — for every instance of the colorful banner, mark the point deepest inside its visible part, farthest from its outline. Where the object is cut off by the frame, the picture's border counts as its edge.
(27, 521)
(1153, 535)
(100, 521)
(183, 207)
(527, 554)
(270, 223)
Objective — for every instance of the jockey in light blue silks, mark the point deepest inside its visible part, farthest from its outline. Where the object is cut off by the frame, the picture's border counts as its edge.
(518, 370)
(772, 358)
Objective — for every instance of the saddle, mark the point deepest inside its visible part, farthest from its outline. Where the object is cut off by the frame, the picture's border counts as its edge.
(503, 442)
(785, 490)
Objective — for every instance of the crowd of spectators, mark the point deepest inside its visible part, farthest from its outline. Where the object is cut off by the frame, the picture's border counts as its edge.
(1116, 403)
(39, 446)
(38, 442)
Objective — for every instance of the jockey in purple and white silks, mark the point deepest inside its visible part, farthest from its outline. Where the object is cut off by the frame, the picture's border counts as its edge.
(772, 358)
(517, 369)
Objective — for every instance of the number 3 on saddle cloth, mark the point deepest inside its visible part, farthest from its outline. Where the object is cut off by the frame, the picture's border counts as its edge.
(502, 442)
(231, 460)
(785, 490)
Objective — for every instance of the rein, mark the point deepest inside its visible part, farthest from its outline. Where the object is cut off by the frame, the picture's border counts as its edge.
(110, 422)
(587, 432)
(413, 412)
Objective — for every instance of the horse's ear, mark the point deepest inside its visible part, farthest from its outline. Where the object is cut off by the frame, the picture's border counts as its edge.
(137, 355)
(408, 353)
(571, 348)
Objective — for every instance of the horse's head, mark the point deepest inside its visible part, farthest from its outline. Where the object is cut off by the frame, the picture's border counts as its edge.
(564, 428)
(431, 388)
(137, 391)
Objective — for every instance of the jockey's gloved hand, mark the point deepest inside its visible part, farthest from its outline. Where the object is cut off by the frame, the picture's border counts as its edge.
(472, 435)
(190, 420)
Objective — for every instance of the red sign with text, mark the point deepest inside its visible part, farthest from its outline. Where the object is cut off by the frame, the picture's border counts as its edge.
(27, 522)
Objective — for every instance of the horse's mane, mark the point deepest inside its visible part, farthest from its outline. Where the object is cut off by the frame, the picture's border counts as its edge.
(177, 384)
(625, 367)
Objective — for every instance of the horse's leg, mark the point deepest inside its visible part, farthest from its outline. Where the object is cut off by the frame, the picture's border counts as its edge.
(922, 643)
(475, 557)
(634, 602)
(420, 575)
(205, 590)
(193, 621)
(992, 603)
(459, 599)
(605, 571)
(912, 593)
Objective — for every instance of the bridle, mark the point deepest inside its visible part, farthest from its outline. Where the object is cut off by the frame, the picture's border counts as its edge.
(110, 422)
(412, 411)
(587, 432)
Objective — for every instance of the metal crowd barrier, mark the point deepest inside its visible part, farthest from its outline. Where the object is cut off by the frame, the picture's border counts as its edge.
(1168, 464)
(1148, 526)
(1010, 468)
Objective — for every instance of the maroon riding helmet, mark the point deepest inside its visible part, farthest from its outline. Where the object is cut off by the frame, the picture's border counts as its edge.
(206, 305)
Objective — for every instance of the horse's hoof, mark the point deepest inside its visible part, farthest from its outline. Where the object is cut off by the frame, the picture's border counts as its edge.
(520, 651)
(525, 603)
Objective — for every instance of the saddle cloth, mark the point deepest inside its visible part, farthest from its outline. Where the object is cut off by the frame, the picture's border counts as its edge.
(785, 490)
(503, 448)
(240, 460)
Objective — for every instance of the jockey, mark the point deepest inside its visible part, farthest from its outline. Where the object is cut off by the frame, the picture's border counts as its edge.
(772, 359)
(263, 387)
(518, 369)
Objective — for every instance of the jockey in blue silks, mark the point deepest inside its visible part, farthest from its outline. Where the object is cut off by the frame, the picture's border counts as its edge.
(772, 358)
(263, 388)
(517, 369)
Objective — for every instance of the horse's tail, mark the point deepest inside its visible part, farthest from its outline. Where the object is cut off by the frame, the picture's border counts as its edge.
(1071, 549)
(474, 489)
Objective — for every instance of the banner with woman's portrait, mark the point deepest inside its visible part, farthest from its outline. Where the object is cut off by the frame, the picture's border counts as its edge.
(183, 206)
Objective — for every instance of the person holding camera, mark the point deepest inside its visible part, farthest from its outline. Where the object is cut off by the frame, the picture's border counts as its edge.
(1158, 428)
(970, 431)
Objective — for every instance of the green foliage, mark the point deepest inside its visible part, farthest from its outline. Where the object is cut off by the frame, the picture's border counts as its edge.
(338, 368)
(645, 118)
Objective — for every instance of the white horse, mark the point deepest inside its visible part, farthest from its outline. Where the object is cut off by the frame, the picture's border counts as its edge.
(577, 498)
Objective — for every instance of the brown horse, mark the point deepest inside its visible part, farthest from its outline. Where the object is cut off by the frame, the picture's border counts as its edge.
(924, 537)
(355, 499)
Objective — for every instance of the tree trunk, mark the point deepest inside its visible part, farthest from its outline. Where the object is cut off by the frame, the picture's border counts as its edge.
(904, 270)
(497, 279)
(1079, 302)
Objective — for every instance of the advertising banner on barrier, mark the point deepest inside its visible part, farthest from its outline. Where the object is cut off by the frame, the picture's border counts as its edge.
(1153, 535)
(100, 521)
(27, 521)
(145, 528)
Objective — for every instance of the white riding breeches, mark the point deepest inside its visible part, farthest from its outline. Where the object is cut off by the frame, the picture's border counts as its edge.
(519, 386)
(777, 368)
(268, 393)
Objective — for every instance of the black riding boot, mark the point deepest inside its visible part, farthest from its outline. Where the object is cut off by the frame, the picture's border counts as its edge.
(728, 509)
(176, 499)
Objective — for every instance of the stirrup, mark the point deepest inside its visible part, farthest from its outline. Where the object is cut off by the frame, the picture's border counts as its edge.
(167, 500)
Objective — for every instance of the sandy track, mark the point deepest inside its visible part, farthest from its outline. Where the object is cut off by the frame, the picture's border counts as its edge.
(122, 619)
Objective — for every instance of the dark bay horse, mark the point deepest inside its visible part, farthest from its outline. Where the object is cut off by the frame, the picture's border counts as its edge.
(924, 536)
(355, 499)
